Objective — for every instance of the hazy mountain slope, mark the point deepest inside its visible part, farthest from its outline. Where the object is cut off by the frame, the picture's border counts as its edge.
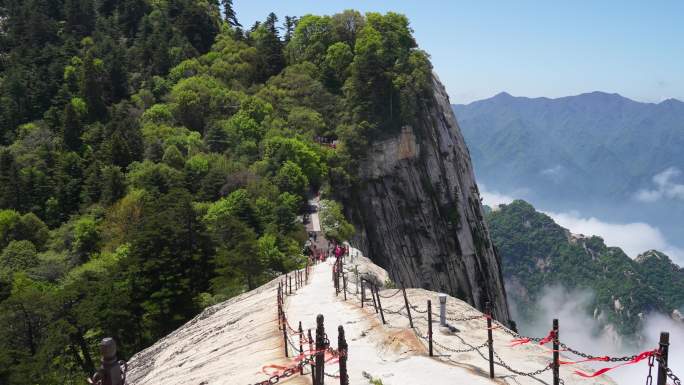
(616, 141)
(591, 152)
(537, 253)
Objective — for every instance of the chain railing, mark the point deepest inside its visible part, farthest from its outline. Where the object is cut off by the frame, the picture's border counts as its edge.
(558, 346)
(319, 351)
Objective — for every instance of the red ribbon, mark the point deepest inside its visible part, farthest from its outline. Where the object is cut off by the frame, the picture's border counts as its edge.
(548, 338)
(519, 341)
(604, 358)
(640, 357)
(525, 340)
(329, 358)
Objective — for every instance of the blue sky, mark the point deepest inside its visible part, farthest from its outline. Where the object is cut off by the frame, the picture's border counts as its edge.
(532, 48)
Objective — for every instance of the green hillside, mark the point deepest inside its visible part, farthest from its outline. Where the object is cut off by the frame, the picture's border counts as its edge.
(537, 253)
(154, 157)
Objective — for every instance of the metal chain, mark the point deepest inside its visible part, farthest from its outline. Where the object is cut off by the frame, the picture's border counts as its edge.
(527, 374)
(390, 311)
(668, 371)
(419, 334)
(391, 295)
(649, 377)
(590, 357)
(453, 319)
(465, 318)
(512, 333)
(415, 308)
(473, 348)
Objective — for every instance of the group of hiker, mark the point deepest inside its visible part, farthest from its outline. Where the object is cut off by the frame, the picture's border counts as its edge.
(334, 249)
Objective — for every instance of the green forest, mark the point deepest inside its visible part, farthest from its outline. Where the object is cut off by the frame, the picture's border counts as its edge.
(155, 156)
(537, 253)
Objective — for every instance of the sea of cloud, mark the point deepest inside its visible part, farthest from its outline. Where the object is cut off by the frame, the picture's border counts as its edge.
(579, 330)
(633, 238)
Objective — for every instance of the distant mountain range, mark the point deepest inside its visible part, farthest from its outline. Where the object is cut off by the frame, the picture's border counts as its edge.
(597, 152)
(537, 253)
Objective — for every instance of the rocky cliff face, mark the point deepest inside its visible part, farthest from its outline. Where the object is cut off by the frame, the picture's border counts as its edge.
(418, 211)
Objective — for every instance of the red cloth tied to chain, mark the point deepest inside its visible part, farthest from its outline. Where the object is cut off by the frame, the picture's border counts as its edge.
(548, 338)
(329, 358)
(525, 340)
(519, 341)
(604, 358)
(639, 357)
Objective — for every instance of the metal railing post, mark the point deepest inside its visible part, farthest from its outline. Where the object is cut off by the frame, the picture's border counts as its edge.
(408, 308)
(320, 350)
(662, 361)
(287, 354)
(375, 304)
(363, 291)
(490, 340)
(301, 347)
(344, 285)
(556, 355)
(429, 314)
(279, 308)
(110, 371)
(313, 368)
(382, 314)
(344, 351)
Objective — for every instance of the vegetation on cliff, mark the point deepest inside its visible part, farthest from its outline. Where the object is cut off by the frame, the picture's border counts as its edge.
(154, 157)
(537, 253)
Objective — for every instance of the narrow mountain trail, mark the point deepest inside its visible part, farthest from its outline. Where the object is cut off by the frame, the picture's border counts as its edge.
(239, 341)
(394, 355)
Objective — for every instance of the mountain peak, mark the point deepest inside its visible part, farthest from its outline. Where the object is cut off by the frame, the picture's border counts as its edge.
(503, 95)
(653, 255)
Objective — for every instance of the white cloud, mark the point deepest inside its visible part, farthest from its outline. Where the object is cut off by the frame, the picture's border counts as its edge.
(553, 170)
(666, 187)
(493, 198)
(582, 332)
(633, 238)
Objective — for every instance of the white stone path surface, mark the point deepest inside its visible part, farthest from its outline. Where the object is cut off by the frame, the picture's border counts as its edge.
(228, 344)
(393, 355)
(315, 221)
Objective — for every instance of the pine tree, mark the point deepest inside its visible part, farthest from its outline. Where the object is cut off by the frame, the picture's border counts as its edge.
(113, 185)
(91, 85)
(290, 25)
(229, 13)
(168, 263)
(216, 138)
(9, 180)
(269, 47)
(92, 181)
(80, 17)
(71, 132)
(124, 143)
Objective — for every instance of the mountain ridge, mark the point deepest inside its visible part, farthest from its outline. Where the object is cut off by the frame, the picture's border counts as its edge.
(503, 95)
(593, 153)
